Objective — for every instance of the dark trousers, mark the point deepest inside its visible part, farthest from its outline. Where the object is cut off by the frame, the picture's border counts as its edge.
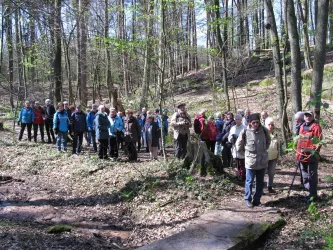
(93, 139)
(49, 130)
(181, 146)
(139, 144)
(113, 146)
(226, 156)
(41, 130)
(103, 148)
(29, 126)
(131, 151)
(77, 142)
(310, 177)
(210, 145)
(241, 168)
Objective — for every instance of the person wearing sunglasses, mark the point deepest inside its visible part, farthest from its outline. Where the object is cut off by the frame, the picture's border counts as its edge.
(254, 141)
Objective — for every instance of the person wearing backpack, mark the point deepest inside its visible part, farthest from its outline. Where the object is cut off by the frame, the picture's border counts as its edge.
(254, 141)
(60, 127)
(226, 151)
(181, 123)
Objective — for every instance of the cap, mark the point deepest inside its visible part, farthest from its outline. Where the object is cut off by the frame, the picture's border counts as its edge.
(254, 117)
(309, 112)
(181, 105)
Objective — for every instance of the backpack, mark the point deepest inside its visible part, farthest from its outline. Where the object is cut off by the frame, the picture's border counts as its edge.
(197, 126)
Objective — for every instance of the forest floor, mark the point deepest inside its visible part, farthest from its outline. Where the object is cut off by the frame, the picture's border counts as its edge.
(122, 205)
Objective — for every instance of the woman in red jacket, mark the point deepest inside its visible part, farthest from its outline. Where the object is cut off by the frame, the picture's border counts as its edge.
(212, 133)
(39, 121)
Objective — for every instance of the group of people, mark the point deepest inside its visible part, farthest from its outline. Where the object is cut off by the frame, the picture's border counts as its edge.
(249, 140)
(108, 127)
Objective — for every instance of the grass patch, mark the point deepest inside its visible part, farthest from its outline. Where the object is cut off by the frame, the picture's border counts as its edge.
(58, 229)
(266, 82)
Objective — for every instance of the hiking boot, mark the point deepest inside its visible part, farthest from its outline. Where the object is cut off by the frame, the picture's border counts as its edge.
(271, 190)
(257, 204)
(248, 204)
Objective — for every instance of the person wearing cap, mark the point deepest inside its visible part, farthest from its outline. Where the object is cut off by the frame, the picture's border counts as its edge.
(39, 121)
(219, 122)
(49, 113)
(238, 156)
(116, 127)
(153, 134)
(90, 125)
(181, 123)
(307, 153)
(274, 153)
(79, 126)
(299, 120)
(26, 119)
(254, 141)
(140, 122)
(60, 127)
(226, 150)
(131, 134)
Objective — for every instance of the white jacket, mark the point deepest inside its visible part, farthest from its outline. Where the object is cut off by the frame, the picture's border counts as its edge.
(233, 135)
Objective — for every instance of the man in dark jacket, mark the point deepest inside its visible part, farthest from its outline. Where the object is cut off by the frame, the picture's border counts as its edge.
(219, 122)
(49, 113)
(79, 126)
(90, 122)
(226, 151)
(39, 121)
(132, 133)
(102, 125)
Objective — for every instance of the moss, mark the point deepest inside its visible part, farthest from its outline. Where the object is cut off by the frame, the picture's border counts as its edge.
(279, 223)
(57, 229)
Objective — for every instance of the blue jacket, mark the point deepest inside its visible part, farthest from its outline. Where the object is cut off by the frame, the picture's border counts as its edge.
(60, 121)
(115, 122)
(90, 120)
(140, 125)
(101, 125)
(79, 122)
(219, 125)
(26, 115)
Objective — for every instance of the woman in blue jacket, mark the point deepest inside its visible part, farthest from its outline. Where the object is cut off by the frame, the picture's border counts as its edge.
(102, 125)
(60, 127)
(116, 127)
(26, 119)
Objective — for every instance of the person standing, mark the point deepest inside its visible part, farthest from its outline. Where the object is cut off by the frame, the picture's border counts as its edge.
(26, 119)
(308, 154)
(102, 125)
(116, 127)
(219, 122)
(60, 126)
(39, 121)
(165, 126)
(132, 133)
(49, 113)
(254, 141)
(273, 153)
(153, 135)
(181, 123)
(238, 156)
(212, 133)
(226, 151)
(299, 120)
(264, 116)
(79, 126)
(90, 124)
(246, 116)
(140, 122)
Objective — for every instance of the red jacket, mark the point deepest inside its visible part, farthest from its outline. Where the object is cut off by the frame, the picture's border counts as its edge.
(39, 114)
(203, 127)
(212, 131)
(304, 144)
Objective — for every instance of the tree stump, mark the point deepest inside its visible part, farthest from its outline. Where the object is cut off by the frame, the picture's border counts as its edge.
(200, 158)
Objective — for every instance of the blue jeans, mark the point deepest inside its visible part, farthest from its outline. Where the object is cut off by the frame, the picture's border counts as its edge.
(91, 137)
(250, 175)
(218, 148)
(62, 140)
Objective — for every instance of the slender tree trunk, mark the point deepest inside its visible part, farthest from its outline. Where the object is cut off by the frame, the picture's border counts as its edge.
(296, 78)
(19, 55)
(306, 45)
(57, 55)
(330, 18)
(319, 56)
(278, 71)
(9, 41)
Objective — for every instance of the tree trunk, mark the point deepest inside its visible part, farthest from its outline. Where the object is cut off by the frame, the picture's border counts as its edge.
(319, 57)
(278, 71)
(19, 56)
(9, 41)
(331, 21)
(306, 45)
(296, 78)
(57, 54)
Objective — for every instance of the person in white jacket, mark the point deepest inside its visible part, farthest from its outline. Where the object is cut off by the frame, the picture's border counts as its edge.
(238, 156)
(273, 153)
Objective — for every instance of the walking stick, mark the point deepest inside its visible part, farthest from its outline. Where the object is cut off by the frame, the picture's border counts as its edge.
(292, 182)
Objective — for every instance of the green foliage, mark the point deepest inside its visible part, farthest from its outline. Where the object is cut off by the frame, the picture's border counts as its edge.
(313, 210)
(57, 229)
(328, 242)
(266, 82)
(328, 178)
